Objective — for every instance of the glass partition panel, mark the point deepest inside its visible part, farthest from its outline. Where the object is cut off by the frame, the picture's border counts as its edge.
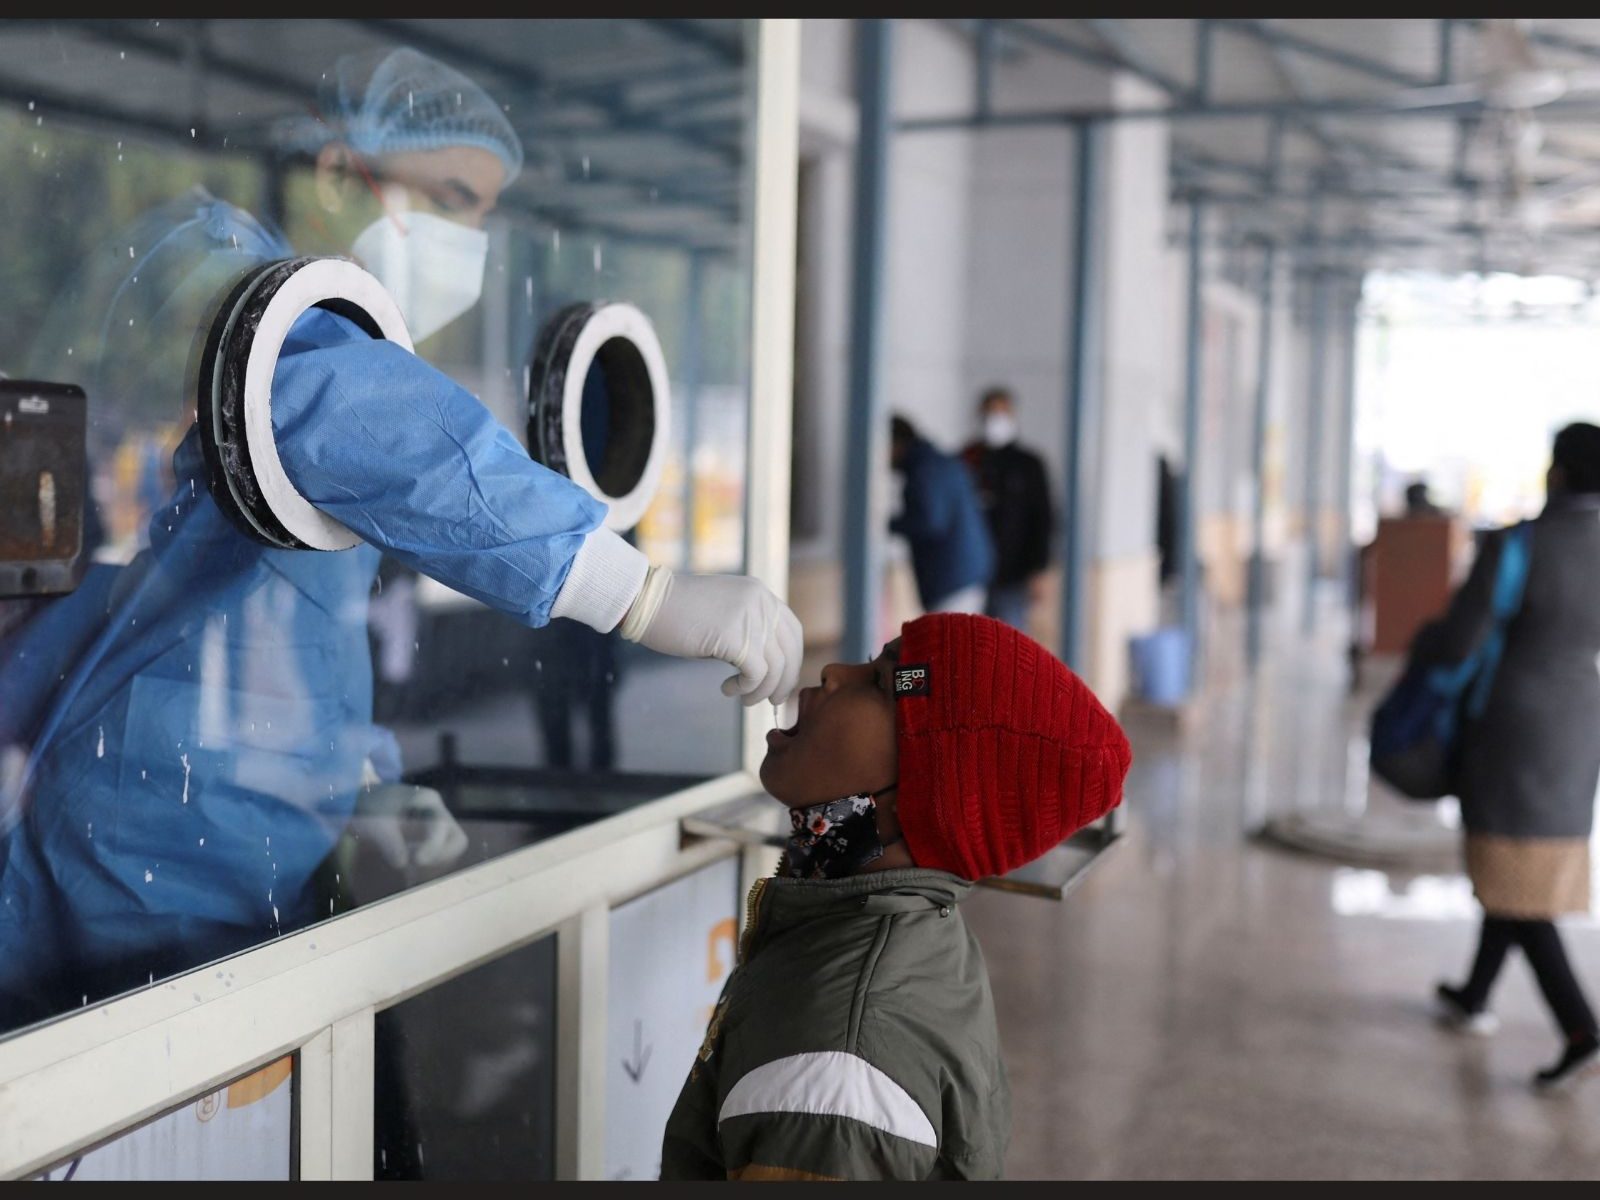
(244, 1131)
(207, 739)
(465, 1075)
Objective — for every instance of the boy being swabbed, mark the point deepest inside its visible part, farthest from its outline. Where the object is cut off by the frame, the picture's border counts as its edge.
(857, 1039)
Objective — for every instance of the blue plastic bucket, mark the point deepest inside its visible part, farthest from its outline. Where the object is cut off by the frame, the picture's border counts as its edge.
(1161, 666)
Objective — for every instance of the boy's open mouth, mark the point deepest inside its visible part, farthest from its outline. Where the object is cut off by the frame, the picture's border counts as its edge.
(775, 735)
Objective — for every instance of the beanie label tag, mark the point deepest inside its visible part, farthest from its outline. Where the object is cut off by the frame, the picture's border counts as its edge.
(914, 679)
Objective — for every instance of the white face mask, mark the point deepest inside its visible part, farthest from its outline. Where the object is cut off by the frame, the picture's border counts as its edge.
(999, 429)
(433, 268)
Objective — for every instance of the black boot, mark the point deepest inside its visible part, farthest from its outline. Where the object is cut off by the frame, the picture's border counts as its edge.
(1580, 1054)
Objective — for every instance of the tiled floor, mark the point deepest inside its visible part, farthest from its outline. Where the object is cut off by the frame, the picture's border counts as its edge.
(1207, 1005)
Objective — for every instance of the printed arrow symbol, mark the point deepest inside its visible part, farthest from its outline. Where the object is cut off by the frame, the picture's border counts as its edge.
(641, 1054)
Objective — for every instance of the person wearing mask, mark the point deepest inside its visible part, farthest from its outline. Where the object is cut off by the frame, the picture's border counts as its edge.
(856, 1038)
(1529, 766)
(952, 553)
(1015, 493)
(187, 734)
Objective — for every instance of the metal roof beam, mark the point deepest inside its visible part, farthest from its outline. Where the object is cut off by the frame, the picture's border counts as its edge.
(1126, 51)
(1312, 48)
(687, 32)
(1578, 109)
(1044, 39)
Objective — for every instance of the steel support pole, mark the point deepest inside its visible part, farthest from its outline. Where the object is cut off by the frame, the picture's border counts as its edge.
(1188, 491)
(986, 56)
(689, 402)
(864, 532)
(1349, 299)
(1083, 381)
(1256, 599)
(1315, 424)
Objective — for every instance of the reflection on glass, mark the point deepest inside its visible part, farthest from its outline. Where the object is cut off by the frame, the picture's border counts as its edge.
(210, 743)
(465, 1075)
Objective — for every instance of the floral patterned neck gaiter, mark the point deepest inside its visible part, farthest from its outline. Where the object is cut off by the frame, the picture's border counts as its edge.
(832, 840)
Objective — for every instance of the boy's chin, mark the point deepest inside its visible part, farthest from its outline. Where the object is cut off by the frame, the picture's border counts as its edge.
(775, 785)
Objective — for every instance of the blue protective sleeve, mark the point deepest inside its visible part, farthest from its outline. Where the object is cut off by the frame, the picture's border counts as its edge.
(413, 463)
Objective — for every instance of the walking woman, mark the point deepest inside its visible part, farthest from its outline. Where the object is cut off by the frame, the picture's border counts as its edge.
(1531, 763)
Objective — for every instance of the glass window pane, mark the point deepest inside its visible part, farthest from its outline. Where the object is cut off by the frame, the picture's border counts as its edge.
(671, 951)
(210, 741)
(243, 1131)
(465, 1079)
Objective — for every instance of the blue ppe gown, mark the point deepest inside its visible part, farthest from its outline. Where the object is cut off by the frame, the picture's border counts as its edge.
(197, 722)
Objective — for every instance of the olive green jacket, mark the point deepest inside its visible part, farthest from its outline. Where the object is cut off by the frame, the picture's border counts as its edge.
(855, 1040)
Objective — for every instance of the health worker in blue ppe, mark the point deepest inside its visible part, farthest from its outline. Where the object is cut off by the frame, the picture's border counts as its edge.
(185, 737)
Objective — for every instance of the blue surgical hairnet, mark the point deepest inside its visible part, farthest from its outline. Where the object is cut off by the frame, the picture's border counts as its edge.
(410, 101)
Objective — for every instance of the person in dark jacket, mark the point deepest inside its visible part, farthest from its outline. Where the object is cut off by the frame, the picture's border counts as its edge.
(1530, 765)
(951, 550)
(1015, 493)
(856, 1038)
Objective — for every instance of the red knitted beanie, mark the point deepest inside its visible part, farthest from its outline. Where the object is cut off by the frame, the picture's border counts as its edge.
(1004, 752)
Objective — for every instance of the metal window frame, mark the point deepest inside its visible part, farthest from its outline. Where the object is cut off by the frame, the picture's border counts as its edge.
(77, 1080)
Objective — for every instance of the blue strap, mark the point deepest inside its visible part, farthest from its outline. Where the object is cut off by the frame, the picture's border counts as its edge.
(1511, 581)
(1477, 671)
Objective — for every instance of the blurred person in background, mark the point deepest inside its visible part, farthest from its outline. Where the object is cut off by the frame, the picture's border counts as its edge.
(1015, 494)
(951, 550)
(1419, 503)
(1529, 766)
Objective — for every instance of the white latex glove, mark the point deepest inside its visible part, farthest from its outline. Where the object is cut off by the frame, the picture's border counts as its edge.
(381, 809)
(731, 617)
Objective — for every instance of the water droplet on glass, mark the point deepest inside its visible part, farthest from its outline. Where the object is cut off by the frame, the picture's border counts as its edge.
(202, 841)
(100, 750)
(596, 265)
(586, 166)
(185, 759)
(30, 109)
(149, 876)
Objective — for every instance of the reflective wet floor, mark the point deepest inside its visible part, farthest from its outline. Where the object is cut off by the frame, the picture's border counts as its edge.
(1210, 1005)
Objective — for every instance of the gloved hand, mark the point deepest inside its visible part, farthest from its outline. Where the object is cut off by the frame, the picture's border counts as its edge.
(382, 809)
(731, 617)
